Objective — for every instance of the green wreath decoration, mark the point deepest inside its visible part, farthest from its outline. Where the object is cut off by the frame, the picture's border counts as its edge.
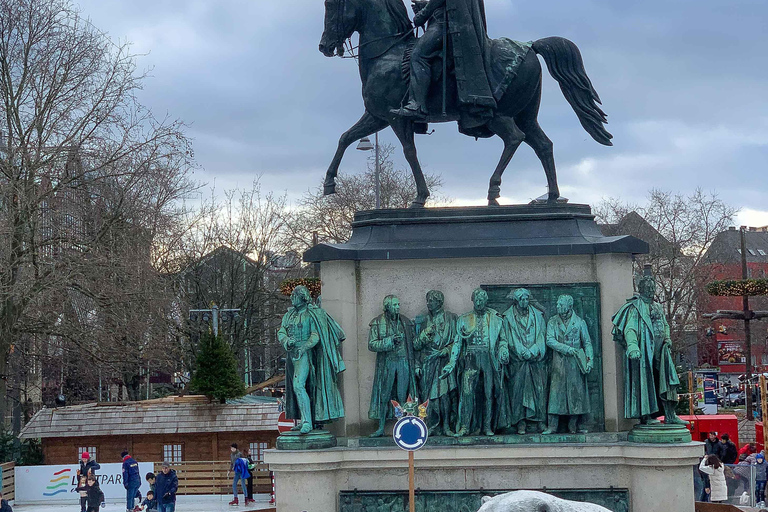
(738, 288)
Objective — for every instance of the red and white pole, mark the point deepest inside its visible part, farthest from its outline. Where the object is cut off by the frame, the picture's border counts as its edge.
(273, 498)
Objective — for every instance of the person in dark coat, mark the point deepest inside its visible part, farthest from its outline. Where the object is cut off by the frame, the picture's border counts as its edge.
(88, 465)
(713, 446)
(730, 452)
(94, 496)
(131, 480)
(166, 486)
(4, 506)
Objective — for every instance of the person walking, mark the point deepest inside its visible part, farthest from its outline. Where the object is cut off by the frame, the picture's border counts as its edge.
(166, 486)
(712, 466)
(730, 453)
(131, 481)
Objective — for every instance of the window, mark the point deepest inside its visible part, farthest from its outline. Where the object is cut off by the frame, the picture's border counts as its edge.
(752, 252)
(90, 449)
(172, 453)
(257, 451)
(762, 252)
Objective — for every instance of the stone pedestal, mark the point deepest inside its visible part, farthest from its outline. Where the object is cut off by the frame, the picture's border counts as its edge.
(655, 477)
(548, 249)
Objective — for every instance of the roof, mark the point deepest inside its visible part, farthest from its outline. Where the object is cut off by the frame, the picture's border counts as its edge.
(172, 415)
(635, 224)
(726, 247)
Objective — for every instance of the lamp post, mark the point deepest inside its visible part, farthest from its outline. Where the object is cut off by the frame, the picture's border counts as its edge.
(365, 145)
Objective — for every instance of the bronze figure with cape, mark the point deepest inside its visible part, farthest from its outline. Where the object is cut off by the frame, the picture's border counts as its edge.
(312, 340)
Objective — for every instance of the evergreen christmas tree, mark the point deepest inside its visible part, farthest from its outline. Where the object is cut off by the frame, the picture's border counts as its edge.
(216, 374)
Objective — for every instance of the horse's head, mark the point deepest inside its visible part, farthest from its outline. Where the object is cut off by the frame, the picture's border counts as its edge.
(340, 16)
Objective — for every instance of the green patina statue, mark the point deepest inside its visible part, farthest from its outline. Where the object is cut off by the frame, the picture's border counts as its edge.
(392, 336)
(572, 360)
(527, 371)
(650, 378)
(483, 348)
(312, 340)
(435, 332)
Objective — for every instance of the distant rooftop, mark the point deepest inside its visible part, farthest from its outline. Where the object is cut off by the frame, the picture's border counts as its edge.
(172, 415)
(726, 247)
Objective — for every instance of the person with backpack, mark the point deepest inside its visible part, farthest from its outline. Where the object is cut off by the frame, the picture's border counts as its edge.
(251, 467)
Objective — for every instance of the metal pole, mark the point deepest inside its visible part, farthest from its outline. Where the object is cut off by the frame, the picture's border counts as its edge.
(215, 312)
(747, 328)
(376, 175)
(764, 405)
(690, 393)
(411, 485)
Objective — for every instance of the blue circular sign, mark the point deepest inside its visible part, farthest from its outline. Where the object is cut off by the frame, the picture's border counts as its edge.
(410, 433)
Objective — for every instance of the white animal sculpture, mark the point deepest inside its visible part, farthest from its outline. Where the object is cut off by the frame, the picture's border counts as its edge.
(534, 501)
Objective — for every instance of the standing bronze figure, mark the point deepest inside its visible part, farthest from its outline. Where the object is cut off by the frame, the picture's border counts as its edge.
(392, 338)
(493, 86)
(650, 377)
(312, 339)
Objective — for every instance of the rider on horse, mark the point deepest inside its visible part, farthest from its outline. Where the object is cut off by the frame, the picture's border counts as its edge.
(465, 22)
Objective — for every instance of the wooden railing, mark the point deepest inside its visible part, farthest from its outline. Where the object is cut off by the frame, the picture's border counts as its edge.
(201, 477)
(9, 480)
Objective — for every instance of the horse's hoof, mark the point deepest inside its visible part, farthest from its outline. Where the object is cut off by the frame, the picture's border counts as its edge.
(329, 188)
(493, 202)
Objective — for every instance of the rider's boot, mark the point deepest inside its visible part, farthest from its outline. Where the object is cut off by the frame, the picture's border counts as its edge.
(410, 110)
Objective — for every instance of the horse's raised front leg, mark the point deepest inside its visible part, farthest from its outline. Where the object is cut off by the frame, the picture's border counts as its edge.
(404, 131)
(367, 125)
(512, 136)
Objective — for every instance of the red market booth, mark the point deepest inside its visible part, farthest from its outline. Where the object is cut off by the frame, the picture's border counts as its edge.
(701, 425)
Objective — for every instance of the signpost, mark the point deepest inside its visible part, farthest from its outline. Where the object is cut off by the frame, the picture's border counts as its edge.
(410, 434)
(284, 424)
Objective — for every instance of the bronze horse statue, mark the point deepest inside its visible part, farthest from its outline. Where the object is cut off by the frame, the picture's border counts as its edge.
(385, 39)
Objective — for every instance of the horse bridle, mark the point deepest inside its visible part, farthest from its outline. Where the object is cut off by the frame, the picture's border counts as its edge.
(346, 44)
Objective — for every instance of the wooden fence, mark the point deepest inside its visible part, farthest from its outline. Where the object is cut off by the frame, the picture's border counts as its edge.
(197, 477)
(7, 470)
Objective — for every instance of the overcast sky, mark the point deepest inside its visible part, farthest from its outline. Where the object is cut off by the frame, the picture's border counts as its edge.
(684, 84)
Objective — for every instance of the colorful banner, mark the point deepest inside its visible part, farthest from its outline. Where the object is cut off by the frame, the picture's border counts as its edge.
(730, 352)
(56, 484)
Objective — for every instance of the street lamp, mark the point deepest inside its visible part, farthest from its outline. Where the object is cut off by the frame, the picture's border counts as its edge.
(365, 145)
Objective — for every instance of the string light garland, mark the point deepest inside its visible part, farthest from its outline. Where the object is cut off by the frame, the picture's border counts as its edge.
(312, 284)
(738, 288)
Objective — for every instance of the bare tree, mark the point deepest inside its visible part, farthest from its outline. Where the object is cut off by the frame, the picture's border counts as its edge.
(82, 165)
(330, 217)
(680, 228)
(235, 254)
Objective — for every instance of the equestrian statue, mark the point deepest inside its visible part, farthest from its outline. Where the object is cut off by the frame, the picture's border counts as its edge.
(454, 72)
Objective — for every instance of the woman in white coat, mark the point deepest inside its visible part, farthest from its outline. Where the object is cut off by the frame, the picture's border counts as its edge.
(712, 466)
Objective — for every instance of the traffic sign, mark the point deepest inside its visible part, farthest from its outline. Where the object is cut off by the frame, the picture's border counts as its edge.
(410, 433)
(284, 424)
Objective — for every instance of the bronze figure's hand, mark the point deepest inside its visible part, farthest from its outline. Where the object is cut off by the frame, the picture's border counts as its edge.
(447, 369)
(634, 354)
(421, 18)
(290, 343)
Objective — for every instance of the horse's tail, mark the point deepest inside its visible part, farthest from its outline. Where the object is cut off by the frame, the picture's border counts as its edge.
(565, 65)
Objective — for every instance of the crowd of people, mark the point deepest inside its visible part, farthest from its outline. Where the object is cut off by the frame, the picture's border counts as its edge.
(726, 470)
